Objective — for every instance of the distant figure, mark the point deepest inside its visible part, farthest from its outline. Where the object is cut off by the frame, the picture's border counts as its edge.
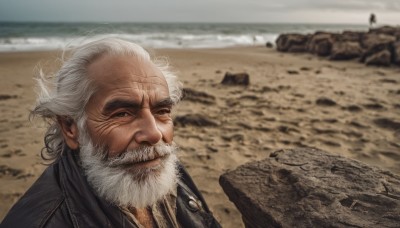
(372, 20)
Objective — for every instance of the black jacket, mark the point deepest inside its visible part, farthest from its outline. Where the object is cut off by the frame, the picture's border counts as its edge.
(61, 197)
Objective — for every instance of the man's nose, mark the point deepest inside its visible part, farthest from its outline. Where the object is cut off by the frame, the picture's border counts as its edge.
(148, 131)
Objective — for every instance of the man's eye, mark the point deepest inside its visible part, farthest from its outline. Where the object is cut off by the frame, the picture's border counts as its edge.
(165, 111)
(121, 114)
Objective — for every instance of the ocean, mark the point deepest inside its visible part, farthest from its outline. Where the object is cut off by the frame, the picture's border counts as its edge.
(49, 36)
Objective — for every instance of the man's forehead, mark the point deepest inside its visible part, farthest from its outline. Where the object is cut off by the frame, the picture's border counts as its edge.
(144, 69)
(108, 68)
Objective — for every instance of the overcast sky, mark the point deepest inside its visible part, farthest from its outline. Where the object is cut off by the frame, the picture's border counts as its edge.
(265, 11)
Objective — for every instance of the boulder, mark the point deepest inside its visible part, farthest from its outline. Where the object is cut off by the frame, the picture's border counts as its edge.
(321, 44)
(292, 42)
(370, 40)
(381, 58)
(269, 45)
(236, 79)
(297, 48)
(374, 45)
(346, 50)
(388, 30)
(396, 53)
(312, 188)
(350, 36)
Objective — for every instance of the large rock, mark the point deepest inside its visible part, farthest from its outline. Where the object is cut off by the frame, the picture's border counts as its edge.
(236, 79)
(345, 50)
(396, 53)
(377, 43)
(321, 44)
(313, 188)
(372, 40)
(388, 30)
(350, 36)
(381, 58)
(292, 43)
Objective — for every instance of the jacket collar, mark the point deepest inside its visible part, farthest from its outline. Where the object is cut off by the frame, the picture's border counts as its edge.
(86, 209)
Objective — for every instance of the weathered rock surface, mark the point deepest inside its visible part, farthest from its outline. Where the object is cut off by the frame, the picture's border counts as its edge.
(346, 50)
(321, 44)
(388, 30)
(350, 36)
(381, 58)
(292, 43)
(236, 79)
(396, 53)
(378, 46)
(312, 188)
(372, 40)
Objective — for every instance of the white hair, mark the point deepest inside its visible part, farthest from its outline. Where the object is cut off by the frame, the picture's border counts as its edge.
(67, 94)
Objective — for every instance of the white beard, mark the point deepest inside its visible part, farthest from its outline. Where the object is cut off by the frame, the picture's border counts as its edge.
(118, 180)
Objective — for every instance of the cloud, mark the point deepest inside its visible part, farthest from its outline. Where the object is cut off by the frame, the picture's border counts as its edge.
(338, 5)
(335, 11)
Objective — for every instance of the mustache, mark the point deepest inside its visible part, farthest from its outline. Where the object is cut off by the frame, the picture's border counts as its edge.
(141, 154)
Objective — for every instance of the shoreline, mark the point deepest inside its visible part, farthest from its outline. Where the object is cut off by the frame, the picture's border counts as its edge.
(279, 109)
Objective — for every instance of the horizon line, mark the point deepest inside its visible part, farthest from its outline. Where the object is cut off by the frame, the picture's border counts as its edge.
(191, 22)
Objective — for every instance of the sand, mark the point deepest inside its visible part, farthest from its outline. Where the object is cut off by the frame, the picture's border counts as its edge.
(357, 115)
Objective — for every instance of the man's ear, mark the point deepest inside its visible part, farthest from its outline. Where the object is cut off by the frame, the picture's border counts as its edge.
(69, 131)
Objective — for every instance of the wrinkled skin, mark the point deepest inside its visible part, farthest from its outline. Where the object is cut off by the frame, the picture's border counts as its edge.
(131, 106)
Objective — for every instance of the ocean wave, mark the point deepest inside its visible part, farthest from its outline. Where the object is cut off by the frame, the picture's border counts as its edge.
(149, 40)
(49, 36)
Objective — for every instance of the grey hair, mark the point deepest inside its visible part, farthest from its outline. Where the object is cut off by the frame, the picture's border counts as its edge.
(68, 92)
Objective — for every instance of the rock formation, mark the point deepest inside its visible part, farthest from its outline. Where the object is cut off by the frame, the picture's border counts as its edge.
(312, 188)
(292, 43)
(345, 50)
(380, 46)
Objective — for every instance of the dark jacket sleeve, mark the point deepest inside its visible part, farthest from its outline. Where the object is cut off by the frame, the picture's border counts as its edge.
(38, 205)
(192, 210)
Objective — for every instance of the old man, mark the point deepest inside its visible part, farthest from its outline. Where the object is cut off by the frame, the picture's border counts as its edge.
(111, 142)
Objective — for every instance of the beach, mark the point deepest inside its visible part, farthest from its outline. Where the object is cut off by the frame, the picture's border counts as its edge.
(293, 100)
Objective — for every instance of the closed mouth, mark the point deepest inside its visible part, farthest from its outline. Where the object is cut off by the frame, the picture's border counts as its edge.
(149, 163)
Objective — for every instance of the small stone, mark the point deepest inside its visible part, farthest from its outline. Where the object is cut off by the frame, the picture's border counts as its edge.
(387, 124)
(197, 96)
(236, 79)
(292, 72)
(323, 101)
(195, 120)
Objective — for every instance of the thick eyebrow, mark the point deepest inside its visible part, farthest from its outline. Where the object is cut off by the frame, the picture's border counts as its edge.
(112, 105)
(120, 103)
(167, 102)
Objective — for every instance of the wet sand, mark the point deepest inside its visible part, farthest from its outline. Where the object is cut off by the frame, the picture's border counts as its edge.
(293, 100)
